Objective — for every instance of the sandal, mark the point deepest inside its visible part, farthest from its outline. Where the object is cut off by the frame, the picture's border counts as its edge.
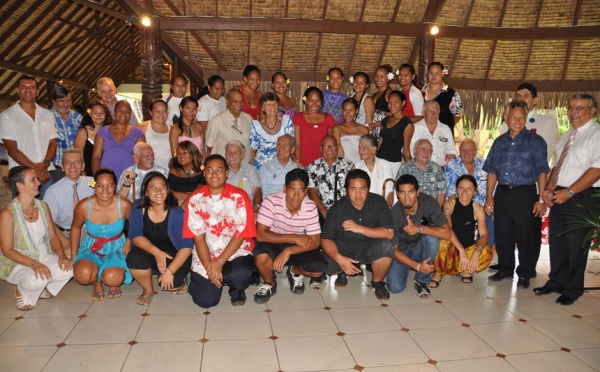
(45, 294)
(21, 305)
(144, 301)
(436, 283)
(180, 290)
(114, 293)
(98, 296)
(467, 279)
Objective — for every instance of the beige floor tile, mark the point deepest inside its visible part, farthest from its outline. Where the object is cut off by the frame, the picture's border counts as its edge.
(514, 338)
(364, 319)
(293, 323)
(421, 367)
(240, 355)
(456, 291)
(172, 328)
(384, 349)
(572, 333)
(228, 326)
(593, 320)
(75, 289)
(507, 288)
(63, 306)
(479, 311)
(26, 358)
(353, 281)
(451, 343)
(494, 364)
(167, 303)
(164, 356)
(105, 330)
(101, 358)
(349, 297)
(553, 361)
(408, 296)
(6, 290)
(5, 323)
(585, 305)
(315, 353)
(124, 305)
(531, 307)
(590, 356)
(423, 315)
(8, 307)
(38, 331)
(225, 305)
(286, 300)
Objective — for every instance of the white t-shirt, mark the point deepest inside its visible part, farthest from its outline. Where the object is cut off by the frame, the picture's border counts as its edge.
(209, 107)
(173, 108)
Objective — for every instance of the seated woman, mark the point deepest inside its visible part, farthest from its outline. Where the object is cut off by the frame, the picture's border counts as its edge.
(185, 171)
(157, 243)
(379, 170)
(32, 257)
(100, 257)
(349, 132)
(462, 254)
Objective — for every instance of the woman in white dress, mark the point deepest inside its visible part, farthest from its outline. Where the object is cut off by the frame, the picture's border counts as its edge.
(379, 170)
(32, 256)
(349, 132)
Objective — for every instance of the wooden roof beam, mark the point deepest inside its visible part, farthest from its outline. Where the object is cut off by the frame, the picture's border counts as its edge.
(493, 52)
(570, 46)
(40, 74)
(375, 28)
(103, 9)
(459, 43)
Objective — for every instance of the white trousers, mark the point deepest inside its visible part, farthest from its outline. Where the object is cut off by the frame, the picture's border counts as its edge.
(31, 287)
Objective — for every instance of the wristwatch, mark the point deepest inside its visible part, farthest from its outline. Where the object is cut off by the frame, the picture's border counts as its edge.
(479, 248)
(570, 193)
(419, 229)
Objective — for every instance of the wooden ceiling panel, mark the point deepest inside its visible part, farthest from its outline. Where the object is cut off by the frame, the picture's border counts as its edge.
(521, 13)
(344, 10)
(268, 8)
(559, 13)
(367, 53)
(379, 11)
(509, 60)
(233, 49)
(237, 8)
(546, 61)
(444, 50)
(486, 13)
(590, 13)
(585, 55)
(454, 12)
(265, 49)
(298, 9)
(472, 60)
(398, 50)
(336, 50)
(301, 49)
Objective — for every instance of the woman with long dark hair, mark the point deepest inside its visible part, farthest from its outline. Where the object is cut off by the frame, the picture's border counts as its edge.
(187, 128)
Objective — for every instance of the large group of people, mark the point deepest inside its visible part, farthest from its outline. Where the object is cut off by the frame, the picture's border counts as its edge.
(230, 188)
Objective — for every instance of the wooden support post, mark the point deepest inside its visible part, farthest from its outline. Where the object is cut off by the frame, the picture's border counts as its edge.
(175, 66)
(49, 86)
(426, 56)
(151, 64)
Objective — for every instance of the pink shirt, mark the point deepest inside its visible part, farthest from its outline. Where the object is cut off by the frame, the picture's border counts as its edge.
(275, 214)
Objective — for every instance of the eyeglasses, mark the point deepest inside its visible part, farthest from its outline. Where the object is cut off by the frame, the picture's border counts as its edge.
(578, 108)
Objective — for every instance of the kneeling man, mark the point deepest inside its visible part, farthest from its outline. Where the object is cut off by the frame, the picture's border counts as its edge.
(288, 232)
(419, 224)
(358, 229)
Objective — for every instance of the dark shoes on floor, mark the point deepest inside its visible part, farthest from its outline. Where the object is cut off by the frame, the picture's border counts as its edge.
(495, 266)
(380, 291)
(523, 283)
(544, 290)
(499, 276)
(316, 282)
(296, 281)
(565, 301)
(342, 280)
(265, 292)
(240, 300)
(422, 290)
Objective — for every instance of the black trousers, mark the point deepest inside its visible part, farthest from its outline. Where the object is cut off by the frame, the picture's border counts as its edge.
(569, 252)
(515, 223)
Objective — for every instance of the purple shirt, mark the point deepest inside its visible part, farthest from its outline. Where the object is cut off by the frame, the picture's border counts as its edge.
(118, 155)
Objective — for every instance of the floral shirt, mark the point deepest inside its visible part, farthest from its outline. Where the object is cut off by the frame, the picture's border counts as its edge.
(332, 104)
(455, 106)
(455, 168)
(220, 217)
(323, 178)
(264, 143)
(432, 181)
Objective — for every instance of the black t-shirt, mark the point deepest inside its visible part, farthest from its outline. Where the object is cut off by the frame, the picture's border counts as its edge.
(374, 213)
(429, 213)
(393, 140)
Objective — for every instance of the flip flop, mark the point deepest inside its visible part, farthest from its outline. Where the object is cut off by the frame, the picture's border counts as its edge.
(21, 305)
(97, 296)
(114, 293)
(144, 301)
(467, 279)
(183, 289)
(45, 294)
(436, 283)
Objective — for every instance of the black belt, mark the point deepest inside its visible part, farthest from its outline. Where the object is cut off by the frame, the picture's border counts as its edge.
(3, 162)
(63, 229)
(514, 187)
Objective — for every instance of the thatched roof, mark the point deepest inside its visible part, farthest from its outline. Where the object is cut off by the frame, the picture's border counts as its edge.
(488, 45)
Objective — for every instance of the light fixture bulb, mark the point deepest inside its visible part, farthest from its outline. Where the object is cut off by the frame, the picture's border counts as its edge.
(146, 21)
(434, 30)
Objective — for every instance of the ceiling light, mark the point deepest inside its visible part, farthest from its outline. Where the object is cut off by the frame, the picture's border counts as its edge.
(146, 21)
(434, 30)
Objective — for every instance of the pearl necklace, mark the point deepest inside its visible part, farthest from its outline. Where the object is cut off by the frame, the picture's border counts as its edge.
(35, 210)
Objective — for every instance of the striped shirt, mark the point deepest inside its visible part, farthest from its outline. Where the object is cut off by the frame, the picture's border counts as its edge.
(274, 213)
(66, 129)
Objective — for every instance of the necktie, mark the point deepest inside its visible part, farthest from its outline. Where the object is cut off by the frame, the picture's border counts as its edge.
(563, 157)
(75, 196)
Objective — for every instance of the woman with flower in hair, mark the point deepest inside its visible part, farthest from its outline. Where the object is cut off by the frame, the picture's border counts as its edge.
(383, 77)
(287, 105)
(211, 101)
(250, 93)
(396, 133)
(188, 128)
(100, 257)
(449, 100)
(413, 109)
(349, 132)
(310, 126)
(96, 117)
(333, 97)
(185, 170)
(264, 133)
(366, 106)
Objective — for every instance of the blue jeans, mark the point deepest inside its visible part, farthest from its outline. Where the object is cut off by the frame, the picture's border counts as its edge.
(426, 247)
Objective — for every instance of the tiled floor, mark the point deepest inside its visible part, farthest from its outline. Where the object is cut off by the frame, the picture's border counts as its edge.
(464, 327)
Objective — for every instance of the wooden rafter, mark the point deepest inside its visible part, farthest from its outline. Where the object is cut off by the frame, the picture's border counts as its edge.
(320, 37)
(39, 73)
(10, 11)
(459, 43)
(285, 14)
(360, 18)
(197, 37)
(387, 38)
(570, 45)
(537, 21)
(103, 9)
(493, 52)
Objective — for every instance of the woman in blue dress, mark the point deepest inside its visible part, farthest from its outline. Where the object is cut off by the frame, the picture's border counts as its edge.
(100, 256)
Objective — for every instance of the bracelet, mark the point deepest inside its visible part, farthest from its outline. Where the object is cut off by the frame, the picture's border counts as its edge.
(172, 273)
(33, 264)
(124, 185)
(419, 267)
